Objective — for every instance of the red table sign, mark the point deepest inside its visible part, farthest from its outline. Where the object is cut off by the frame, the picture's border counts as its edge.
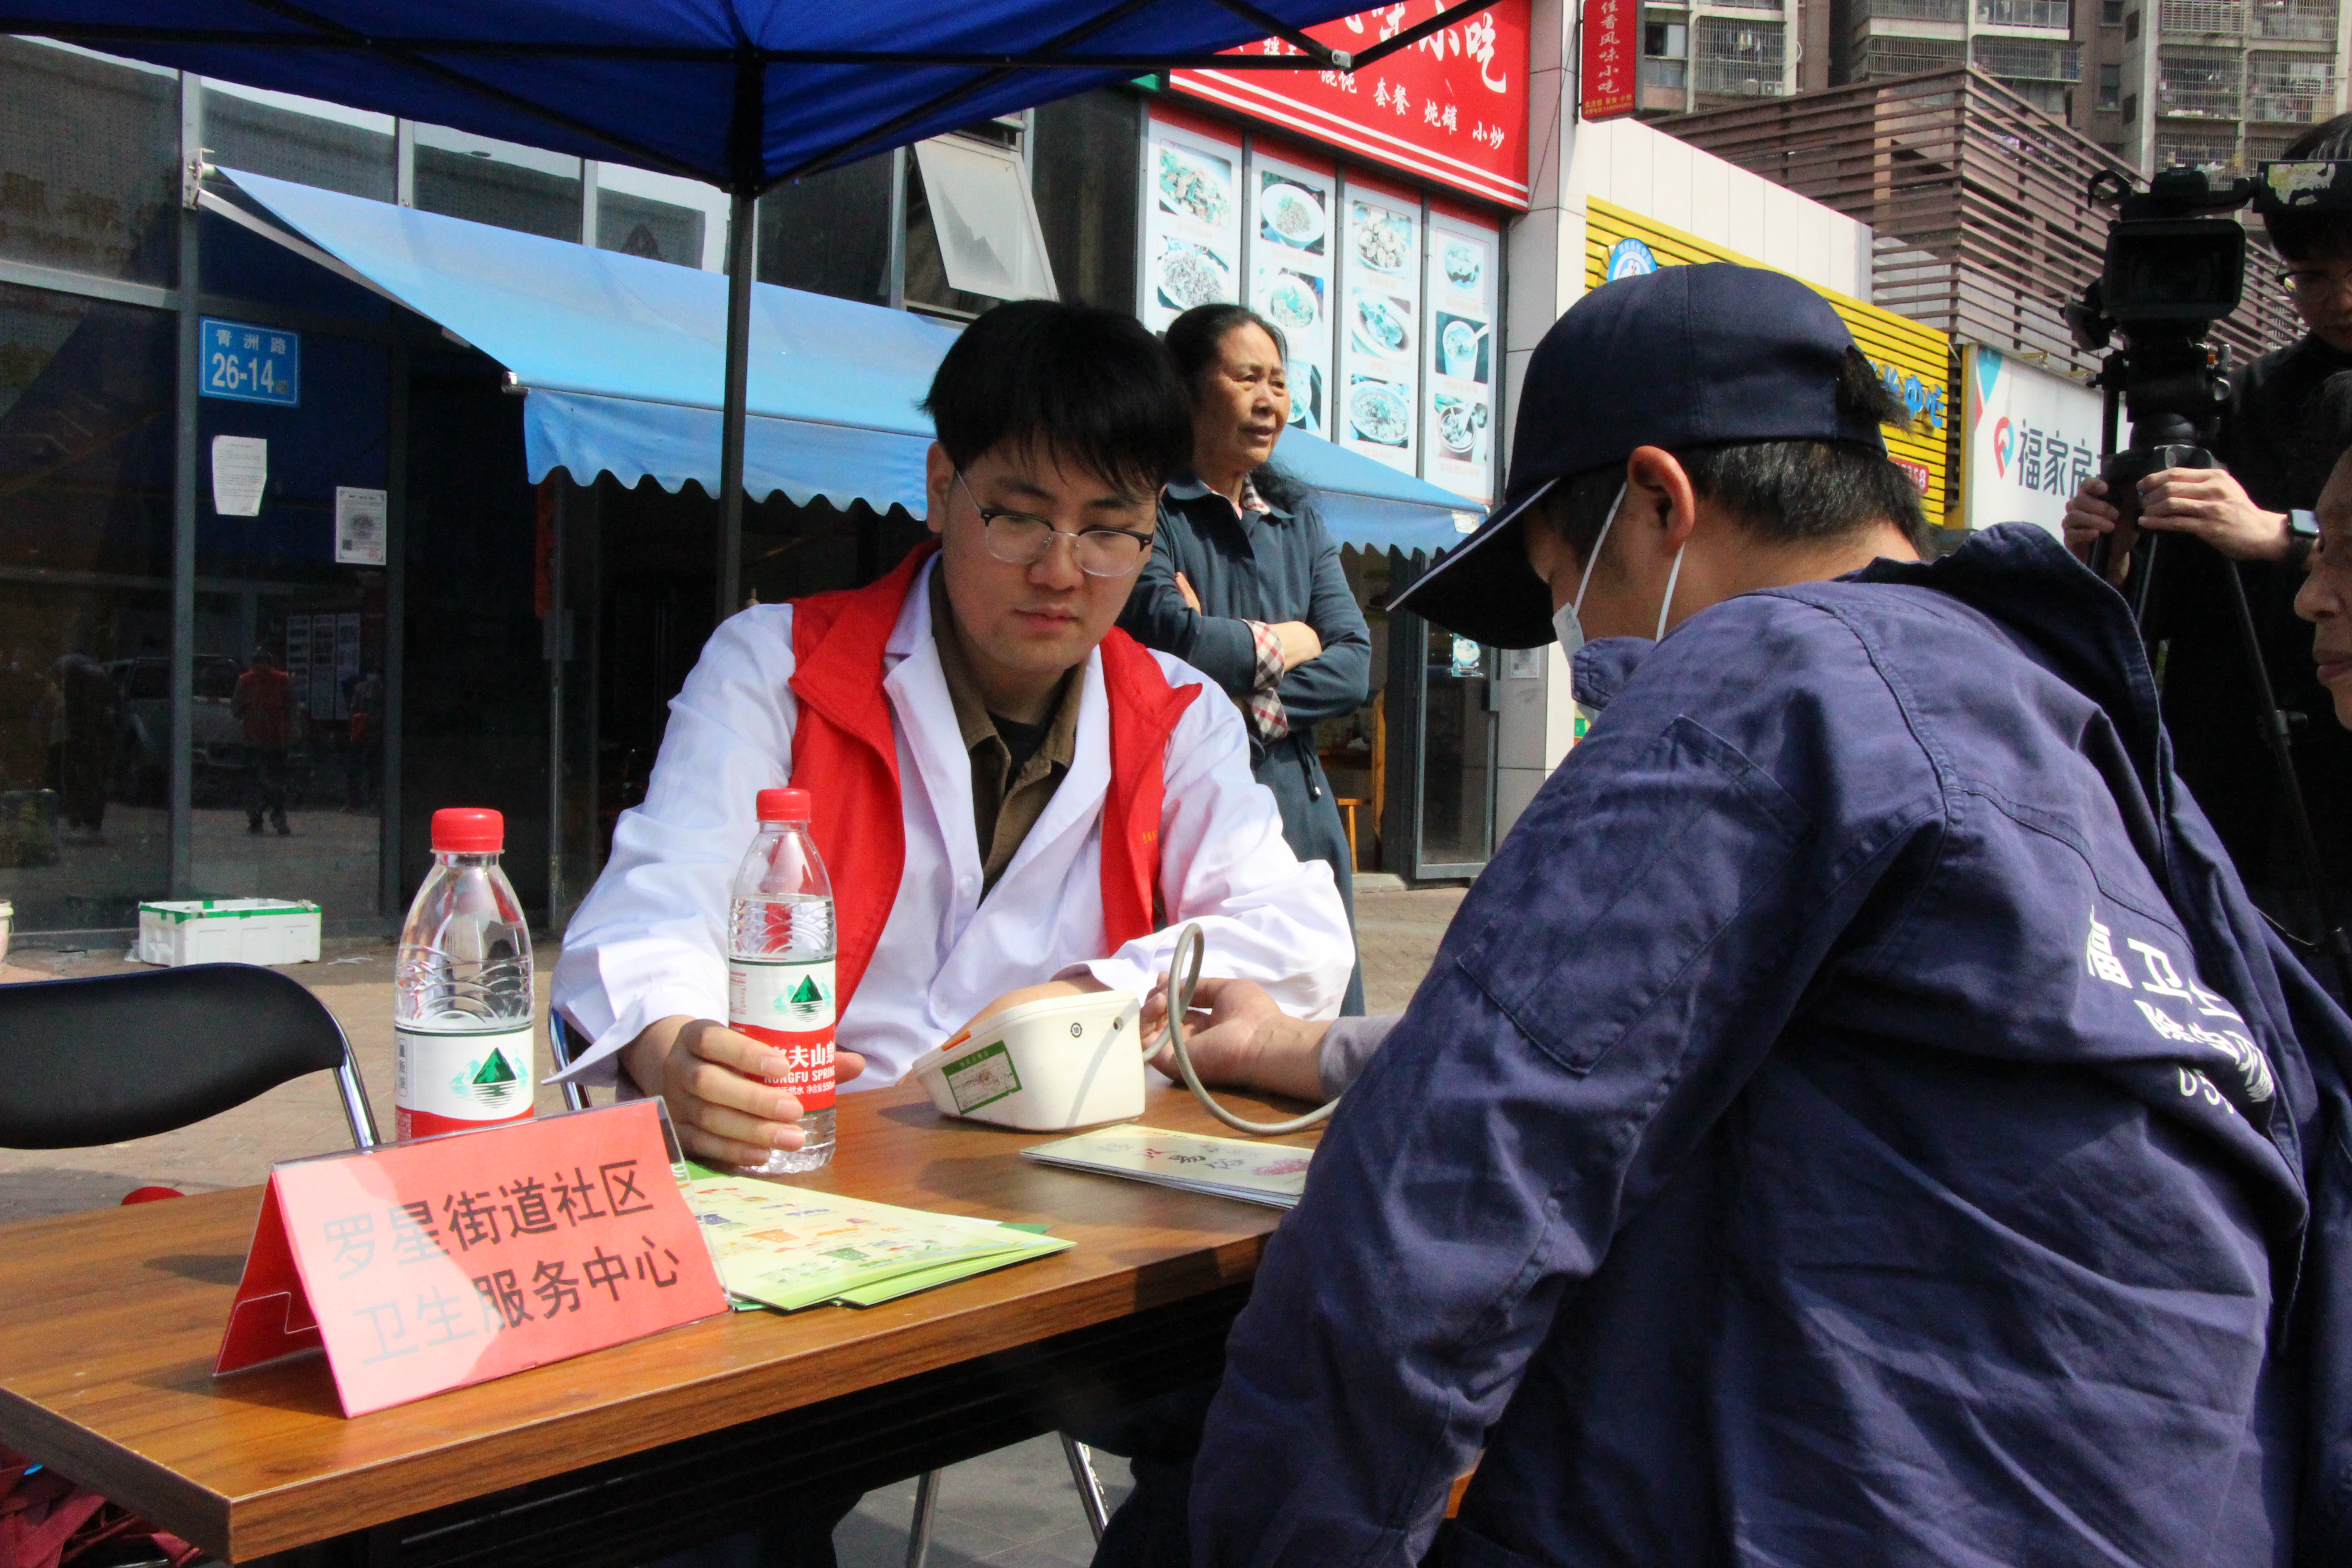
(1611, 52)
(427, 1265)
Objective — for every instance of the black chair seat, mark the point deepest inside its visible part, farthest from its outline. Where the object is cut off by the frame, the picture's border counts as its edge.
(116, 1056)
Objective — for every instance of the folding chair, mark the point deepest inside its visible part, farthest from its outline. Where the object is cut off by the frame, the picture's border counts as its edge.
(926, 1487)
(116, 1056)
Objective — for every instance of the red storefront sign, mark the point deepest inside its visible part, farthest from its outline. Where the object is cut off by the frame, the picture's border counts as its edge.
(1452, 108)
(1611, 53)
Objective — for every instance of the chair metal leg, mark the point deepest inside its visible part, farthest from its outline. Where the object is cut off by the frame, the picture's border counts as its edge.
(1081, 1472)
(357, 1114)
(919, 1529)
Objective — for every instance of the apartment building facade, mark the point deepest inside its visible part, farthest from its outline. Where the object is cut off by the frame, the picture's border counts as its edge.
(2223, 84)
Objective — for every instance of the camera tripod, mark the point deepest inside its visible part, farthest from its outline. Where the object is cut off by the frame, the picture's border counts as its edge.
(2166, 439)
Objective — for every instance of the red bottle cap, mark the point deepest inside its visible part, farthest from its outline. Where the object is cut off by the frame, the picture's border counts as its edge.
(469, 830)
(782, 806)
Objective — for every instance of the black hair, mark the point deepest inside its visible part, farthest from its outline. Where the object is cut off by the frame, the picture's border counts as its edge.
(1194, 339)
(2305, 234)
(1089, 385)
(1784, 492)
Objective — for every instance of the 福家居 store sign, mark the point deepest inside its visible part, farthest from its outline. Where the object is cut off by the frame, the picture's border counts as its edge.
(2032, 439)
(1450, 110)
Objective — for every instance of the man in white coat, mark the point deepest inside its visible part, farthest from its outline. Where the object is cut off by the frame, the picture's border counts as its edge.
(1012, 799)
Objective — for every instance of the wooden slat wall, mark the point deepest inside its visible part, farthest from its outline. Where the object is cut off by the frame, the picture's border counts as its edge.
(1977, 198)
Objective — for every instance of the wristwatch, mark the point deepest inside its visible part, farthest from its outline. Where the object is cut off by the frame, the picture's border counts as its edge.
(2301, 533)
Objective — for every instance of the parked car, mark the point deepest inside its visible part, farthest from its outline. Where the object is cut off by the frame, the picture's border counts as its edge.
(142, 751)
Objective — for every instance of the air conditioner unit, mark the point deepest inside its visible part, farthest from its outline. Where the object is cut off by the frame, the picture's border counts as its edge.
(1753, 88)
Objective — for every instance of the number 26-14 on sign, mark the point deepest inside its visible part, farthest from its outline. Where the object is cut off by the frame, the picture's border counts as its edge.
(423, 1266)
(249, 363)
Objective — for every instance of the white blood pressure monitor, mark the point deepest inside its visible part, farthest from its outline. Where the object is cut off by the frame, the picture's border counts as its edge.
(1041, 1067)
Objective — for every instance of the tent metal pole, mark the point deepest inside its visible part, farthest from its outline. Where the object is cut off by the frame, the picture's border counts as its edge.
(741, 220)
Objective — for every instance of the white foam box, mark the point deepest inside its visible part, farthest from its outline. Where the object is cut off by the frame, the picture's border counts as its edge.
(228, 931)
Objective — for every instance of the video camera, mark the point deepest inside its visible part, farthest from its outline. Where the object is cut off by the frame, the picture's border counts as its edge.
(2176, 264)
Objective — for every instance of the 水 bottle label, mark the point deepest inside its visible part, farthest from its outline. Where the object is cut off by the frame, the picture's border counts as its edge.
(448, 1083)
(789, 1005)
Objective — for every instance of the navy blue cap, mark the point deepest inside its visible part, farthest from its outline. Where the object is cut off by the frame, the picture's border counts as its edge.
(1681, 357)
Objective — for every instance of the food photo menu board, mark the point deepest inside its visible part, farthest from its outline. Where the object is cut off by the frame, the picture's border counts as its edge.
(1458, 409)
(1290, 260)
(1193, 228)
(1379, 327)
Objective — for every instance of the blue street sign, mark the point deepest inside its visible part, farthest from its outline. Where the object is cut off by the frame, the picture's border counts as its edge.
(251, 364)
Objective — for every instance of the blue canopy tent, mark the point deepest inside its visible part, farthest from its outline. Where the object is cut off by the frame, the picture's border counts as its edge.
(616, 354)
(744, 95)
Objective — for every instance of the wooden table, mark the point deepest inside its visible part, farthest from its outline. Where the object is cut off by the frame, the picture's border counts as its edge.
(110, 1320)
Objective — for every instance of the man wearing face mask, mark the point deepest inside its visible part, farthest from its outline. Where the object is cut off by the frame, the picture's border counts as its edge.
(1857, 1117)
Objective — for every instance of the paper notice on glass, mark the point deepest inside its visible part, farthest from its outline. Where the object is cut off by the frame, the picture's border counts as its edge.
(359, 526)
(240, 469)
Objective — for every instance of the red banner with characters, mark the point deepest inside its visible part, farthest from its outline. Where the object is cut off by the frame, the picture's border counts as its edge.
(1611, 53)
(1452, 108)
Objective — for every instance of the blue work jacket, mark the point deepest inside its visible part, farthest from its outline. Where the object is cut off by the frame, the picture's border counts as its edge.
(1857, 1119)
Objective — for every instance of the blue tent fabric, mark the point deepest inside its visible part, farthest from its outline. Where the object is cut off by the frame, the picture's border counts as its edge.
(620, 356)
(655, 82)
(585, 436)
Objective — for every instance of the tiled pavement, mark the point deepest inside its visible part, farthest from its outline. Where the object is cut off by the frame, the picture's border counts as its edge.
(1015, 1509)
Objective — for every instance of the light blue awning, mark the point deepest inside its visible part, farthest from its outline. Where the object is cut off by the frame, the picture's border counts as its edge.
(623, 357)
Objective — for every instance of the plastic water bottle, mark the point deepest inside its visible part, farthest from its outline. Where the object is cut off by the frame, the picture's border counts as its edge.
(462, 1001)
(780, 979)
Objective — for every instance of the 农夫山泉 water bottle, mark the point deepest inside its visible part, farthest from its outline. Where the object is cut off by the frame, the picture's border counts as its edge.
(462, 998)
(780, 974)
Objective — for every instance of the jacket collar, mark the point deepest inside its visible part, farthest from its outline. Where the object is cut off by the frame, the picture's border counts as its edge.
(1188, 488)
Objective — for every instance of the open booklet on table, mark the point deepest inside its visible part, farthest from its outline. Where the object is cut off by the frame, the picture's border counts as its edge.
(785, 1247)
(1254, 1172)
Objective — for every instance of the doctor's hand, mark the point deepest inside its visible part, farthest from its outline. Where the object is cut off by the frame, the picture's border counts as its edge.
(1238, 1037)
(1076, 985)
(710, 1077)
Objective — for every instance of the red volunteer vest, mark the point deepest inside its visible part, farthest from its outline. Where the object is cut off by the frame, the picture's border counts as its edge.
(844, 755)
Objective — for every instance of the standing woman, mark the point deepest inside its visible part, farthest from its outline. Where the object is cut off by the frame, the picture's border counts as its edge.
(1245, 587)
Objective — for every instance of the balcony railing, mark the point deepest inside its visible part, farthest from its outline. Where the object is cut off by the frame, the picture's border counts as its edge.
(2215, 157)
(1740, 79)
(1920, 10)
(1885, 57)
(2210, 102)
(2026, 13)
(2299, 24)
(2006, 57)
(2289, 108)
(2220, 17)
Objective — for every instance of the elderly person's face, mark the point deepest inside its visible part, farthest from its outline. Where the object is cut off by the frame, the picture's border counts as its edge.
(1239, 403)
(2326, 598)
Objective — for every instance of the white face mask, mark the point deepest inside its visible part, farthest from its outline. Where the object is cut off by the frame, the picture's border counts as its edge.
(1565, 623)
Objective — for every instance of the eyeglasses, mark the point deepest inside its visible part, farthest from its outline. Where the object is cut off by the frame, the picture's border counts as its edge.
(2313, 283)
(1022, 539)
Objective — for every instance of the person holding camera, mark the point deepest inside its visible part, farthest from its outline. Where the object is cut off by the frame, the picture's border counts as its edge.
(2289, 414)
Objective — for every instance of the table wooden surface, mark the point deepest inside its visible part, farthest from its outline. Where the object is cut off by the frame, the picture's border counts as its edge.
(109, 1320)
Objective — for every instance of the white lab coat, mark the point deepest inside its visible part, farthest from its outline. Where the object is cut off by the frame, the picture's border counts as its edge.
(648, 941)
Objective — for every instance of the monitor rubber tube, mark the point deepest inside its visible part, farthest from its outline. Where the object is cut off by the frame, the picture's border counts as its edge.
(1183, 975)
